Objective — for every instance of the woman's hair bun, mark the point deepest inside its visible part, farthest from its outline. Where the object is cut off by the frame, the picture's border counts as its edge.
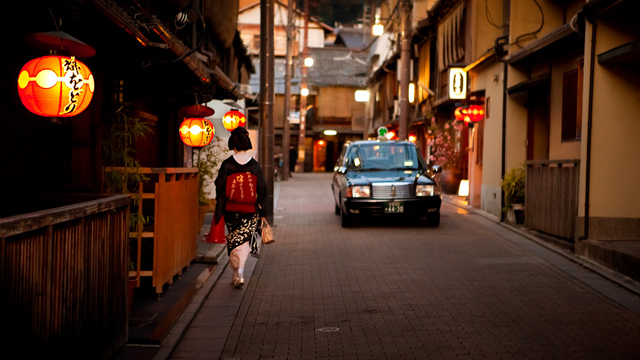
(240, 139)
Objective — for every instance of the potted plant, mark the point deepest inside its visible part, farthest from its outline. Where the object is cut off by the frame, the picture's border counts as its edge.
(513, 186)
(118, 133)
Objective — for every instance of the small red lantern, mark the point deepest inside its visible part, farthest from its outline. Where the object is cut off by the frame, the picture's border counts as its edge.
(233, 119)
(465, 116)
(321, 142)
(391, 135)
(458, 113)
(196, 132)
(413, 138)
(56, 86)
(475, 113)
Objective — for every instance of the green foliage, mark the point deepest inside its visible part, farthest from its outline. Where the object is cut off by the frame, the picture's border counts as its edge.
(513, 185)
(209, 159)
(118, 133)
(204, 174)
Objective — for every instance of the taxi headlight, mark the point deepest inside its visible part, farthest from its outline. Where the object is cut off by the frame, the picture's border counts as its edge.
(359, 191)
(425, 190)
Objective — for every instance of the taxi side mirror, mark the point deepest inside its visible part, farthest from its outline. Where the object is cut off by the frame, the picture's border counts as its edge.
(436, 169)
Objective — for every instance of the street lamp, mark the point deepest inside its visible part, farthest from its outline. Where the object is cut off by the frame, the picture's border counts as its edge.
(378, 29)
(308, 61)
(304, 92)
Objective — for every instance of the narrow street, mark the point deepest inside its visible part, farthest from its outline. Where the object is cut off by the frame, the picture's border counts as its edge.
(385, 289)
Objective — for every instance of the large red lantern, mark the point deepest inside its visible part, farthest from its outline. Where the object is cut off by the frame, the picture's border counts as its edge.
(233, 119)
(55, 86)
(196, 132)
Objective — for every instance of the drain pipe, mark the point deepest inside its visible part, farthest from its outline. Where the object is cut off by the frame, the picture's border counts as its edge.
(585, 234)
(505, 71)
(504, 130)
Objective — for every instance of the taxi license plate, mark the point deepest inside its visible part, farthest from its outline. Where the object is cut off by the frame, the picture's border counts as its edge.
(393, 207)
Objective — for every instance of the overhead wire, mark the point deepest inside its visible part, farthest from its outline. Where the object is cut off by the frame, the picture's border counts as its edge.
(487, 14)
(533, 32)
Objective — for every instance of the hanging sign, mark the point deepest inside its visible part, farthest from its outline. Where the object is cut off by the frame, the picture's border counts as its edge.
(457, 83)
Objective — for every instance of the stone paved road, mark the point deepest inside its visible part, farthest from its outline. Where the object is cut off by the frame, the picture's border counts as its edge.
(469, 289)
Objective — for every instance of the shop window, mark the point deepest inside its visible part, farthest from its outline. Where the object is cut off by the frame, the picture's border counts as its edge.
(444, 84)
(571, 122)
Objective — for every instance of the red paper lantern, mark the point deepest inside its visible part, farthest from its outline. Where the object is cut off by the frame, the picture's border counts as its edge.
(475, 113)
(233, 119)
(464, 112)
(413, 138)
(196, 132)
(56, 86)
(458, 113)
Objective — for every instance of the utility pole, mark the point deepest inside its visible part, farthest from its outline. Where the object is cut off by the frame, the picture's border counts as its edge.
(303, 99)
(286, 136)
(405, 60)
(267, 96)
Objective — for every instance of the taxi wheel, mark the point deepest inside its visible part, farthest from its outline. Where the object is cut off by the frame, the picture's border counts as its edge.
(347, 221)
(433, 219)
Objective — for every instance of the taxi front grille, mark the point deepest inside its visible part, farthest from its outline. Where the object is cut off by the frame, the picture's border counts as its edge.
(392, 190)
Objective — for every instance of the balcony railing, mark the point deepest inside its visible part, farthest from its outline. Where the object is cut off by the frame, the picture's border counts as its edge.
(551, 203)
(63, 279)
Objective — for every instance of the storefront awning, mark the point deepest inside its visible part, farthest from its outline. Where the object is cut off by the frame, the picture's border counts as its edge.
(559, 38)
(165, 40)
(624, 54)
(528, 85)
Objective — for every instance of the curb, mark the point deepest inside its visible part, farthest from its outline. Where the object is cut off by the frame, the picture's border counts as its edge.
(611, 275)
(181, 326)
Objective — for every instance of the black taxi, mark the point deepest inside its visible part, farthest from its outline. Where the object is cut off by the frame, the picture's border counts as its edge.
(383, 177)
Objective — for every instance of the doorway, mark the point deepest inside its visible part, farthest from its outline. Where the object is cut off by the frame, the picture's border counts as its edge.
(538, 124)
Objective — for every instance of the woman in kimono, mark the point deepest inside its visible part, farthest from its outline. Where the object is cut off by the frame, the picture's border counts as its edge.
(241, 197)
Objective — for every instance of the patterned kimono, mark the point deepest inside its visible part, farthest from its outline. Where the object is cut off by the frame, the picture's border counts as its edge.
(241, 220)
(241, 228)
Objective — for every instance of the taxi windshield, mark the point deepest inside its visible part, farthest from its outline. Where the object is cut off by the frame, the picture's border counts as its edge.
(383, 156)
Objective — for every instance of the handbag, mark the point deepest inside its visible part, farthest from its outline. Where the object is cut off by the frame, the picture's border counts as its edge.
(267, 234)
(256, 244)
